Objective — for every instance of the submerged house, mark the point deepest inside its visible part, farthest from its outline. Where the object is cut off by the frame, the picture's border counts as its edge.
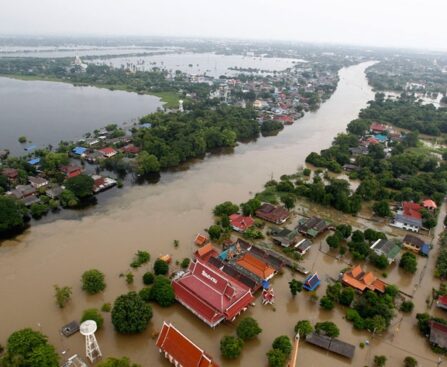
(210, 294)
(312, 282)
(416, 245)
(241, 223)
(312, 227)
(409, 217)
(285, 237)
(272, 213)
(388, 248)
(331, 344)
(361, 281)
(180, 350)
(438, 334)
(256, 266)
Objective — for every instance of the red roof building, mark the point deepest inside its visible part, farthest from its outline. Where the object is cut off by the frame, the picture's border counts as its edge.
(130, 149)
(287, 120)
(241, 223)
(210, 294)
(442, 302)
(108, 152)
(180, 350)
(377, 127)
(372, 141)
(411, 209)
(11, 173)
(71, 170)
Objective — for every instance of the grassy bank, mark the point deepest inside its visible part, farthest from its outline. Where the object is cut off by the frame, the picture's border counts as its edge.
(169, 99)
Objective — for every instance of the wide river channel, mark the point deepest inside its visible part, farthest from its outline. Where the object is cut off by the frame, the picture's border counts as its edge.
(151, 216)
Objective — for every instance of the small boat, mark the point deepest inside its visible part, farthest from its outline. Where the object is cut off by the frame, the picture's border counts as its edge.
(166, 258)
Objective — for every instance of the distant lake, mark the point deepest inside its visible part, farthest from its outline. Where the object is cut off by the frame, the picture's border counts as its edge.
(210, 64)
(47, 112)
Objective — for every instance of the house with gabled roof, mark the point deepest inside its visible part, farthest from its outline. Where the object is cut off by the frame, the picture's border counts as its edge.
(312, 227)
(272, 213)
(408, 217)
(180, 350)
(240, 223)
(386, 247)
(210, 294)
(256, 266)
(361, 281)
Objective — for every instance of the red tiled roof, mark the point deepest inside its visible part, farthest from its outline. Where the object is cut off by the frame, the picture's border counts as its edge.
(107, 150)
(377, 126)
(211, 294)
(10, 172)
(271, 213)
(131, 149)
(443, 300)
(411, 209)
(181, 349)
(372, 140)
(241, 222)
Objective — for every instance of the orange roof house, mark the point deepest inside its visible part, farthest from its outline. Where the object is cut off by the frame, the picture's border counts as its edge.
(205, 252)
(256, 266)
(180, 350)
(358, 279)
(429, 204)
(201, 239)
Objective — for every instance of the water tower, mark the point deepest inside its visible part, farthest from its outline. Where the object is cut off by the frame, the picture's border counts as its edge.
(92, 350)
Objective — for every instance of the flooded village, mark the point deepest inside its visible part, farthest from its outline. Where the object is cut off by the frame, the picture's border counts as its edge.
(270, 260)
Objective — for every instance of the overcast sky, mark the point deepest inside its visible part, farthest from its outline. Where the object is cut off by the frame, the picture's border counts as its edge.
(402, 23)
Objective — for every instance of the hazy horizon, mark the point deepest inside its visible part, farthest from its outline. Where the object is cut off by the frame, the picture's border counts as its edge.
(388, 24)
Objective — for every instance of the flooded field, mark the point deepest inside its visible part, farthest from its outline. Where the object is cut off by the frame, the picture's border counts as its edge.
(201, 63)
(150, 217)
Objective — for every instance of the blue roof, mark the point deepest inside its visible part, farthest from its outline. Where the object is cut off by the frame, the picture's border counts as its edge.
(311, 282)
(79, 150)
(265, 284)
(425, 249)
(146, 125)
(30, 148)
(381, 138)
(34, 161)
(223, 255)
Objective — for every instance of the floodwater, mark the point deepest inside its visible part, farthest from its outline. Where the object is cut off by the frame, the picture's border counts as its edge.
(150, 217)
(59, 52)
(47, 112)
(210, 64)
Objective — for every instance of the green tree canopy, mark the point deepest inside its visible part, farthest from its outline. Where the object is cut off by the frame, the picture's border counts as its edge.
(248, 328)
(226, 208)
(327, 328)
(93, 281)
(29, 348)
(130, 314)
(93, 314)
(231, 347)
(161, 267)
(147, 164)
(276, 358)
(12, 213)
(81, 186)
(283, 343)
(303, 328)
(117, 362)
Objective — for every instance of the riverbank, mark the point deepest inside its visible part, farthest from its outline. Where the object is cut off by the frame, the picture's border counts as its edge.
(150, 217)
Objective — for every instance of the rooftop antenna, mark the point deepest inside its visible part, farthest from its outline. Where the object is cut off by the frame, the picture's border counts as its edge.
(92, 350)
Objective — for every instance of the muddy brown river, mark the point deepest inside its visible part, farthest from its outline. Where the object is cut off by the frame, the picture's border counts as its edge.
(151, 216)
